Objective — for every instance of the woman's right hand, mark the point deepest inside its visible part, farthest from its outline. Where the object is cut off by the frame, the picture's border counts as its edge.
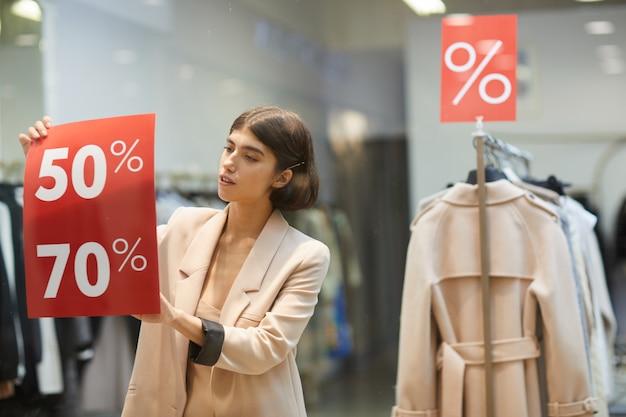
(7, 389)
(36, 132)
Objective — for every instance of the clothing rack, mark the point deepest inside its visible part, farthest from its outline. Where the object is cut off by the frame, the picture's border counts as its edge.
(485, 142)
(12, 172)
(187, 182)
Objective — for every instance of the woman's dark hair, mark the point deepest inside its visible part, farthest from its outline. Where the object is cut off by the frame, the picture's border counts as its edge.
(286, 134)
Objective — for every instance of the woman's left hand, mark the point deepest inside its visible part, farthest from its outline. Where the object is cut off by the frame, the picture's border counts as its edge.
(167, 315)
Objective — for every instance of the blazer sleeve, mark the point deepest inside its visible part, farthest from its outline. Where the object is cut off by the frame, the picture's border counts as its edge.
(209, 352)
(255, 349)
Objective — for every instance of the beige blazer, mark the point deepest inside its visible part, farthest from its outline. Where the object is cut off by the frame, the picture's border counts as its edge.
(441, 351)
(266, 311)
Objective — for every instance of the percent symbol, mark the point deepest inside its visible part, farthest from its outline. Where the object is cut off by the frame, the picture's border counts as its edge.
(482, 86)
(118, 148)
(129, 254)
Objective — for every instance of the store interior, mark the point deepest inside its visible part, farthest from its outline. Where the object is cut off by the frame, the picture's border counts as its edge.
(365, 75)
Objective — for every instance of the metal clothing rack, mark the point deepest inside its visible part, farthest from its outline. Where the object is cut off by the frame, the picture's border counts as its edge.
(481, 141)
(189, 182)
(12, 172)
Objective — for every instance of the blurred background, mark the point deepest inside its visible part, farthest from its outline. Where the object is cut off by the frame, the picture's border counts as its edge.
(365, 75)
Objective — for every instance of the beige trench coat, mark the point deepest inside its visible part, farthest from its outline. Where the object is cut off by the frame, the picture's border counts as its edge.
(266, 311)
(441, 359)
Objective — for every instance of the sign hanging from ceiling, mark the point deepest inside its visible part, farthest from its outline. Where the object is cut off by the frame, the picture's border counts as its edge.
(478, 68)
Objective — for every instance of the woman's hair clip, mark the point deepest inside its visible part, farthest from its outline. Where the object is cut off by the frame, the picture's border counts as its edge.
(295, 165)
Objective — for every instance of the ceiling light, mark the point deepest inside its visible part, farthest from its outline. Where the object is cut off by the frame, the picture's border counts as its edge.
(27, 39)
(613, 66)
(600, 27)
(28, 9)
(611, 60)
(609, 51)
(124, 56)
(231, 87)
(426, 7)
(185, 72)
(459, 19)
(588, 1)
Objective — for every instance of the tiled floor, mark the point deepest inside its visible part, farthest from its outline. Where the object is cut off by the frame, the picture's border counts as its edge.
(367, 393)
(370, 394)
(618, 405)
(360, 394)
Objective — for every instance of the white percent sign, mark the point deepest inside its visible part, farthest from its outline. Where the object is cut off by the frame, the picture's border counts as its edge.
(482, 86)
(121, 250)
(125, 155)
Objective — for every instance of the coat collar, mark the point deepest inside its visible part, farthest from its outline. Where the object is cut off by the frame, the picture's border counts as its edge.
(498, 192)
(464, 194)
(196, 261)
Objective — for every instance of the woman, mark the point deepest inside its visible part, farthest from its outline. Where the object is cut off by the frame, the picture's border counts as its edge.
(238, 285)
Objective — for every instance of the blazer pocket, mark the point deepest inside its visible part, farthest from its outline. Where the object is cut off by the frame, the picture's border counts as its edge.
(247, 320)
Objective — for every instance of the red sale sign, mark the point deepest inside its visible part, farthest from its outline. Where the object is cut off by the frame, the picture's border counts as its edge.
(90, 220)
(478, 68)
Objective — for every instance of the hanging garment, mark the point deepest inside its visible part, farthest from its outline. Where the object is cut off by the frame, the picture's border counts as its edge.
(50, 352)
(26, 332)
(602, 325)
(441, 359)
(327, 338)
(599, 322)
(620, 231)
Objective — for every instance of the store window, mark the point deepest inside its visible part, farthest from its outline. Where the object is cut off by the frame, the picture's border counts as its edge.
(365, 75)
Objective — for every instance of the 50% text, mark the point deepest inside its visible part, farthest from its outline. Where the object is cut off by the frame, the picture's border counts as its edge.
(50, 168)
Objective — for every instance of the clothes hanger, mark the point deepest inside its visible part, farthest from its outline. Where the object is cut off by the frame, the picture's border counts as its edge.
(493, 166)
(551, 183)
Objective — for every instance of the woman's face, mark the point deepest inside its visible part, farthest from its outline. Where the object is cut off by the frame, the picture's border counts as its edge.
(247, 169)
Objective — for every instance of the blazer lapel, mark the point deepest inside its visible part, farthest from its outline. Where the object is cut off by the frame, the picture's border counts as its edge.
(196, 262)
(254, 268)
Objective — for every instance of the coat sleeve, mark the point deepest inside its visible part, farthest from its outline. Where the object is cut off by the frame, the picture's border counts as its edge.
(416, 391)
(566, 357)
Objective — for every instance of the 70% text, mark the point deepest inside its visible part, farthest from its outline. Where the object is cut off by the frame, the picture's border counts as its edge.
(61, 253)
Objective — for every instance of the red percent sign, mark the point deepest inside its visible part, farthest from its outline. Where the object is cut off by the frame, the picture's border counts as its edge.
(90, 220)
(478, 70)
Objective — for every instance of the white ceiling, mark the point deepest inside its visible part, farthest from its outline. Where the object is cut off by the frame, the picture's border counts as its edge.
(515, 6)
(380, 24)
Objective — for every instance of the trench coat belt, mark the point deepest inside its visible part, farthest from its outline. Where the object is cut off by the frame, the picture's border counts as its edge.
(586, 407)
(453, 357)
